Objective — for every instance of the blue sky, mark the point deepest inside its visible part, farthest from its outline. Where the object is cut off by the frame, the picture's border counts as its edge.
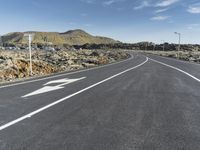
(125, 20)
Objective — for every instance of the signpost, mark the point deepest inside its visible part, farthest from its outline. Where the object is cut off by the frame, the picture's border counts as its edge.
(30, 38)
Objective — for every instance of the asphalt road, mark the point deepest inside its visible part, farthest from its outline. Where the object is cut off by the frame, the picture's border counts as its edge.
(143, 103)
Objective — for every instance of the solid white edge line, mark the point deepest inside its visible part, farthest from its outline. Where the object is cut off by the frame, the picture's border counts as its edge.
(186, 73)
(177, 60)
(65, 98)
(63, 74)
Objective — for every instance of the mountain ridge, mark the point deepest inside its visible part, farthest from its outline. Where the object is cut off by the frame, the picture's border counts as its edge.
(71, 37)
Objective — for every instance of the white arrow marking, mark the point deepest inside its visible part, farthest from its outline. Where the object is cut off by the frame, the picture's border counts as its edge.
(52, 88)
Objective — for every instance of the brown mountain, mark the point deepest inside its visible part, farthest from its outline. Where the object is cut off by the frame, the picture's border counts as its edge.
(72, 37)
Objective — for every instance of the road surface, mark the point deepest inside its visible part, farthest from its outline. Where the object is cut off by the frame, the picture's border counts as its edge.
(143, 103)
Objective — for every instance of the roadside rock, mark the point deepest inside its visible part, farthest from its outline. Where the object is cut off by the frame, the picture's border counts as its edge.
(15, 64)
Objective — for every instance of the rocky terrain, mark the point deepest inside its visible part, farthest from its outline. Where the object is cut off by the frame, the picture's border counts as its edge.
(15, 64)
(191, 56)
(148, 46)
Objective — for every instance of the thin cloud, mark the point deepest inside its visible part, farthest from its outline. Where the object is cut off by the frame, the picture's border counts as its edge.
(166, 3)
(194, 9)
(110, 2)
(161, 10)
(159, 18)
(163, 3)
(193, 26)
(88, 1)
(142, 5)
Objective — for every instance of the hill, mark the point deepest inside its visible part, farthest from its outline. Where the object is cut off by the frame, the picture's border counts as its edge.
(72, 37)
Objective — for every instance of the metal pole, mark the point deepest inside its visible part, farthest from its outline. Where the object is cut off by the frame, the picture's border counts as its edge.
(30, 55)
(163, 42)
(145, 46)
(163, 45)
(179, 42)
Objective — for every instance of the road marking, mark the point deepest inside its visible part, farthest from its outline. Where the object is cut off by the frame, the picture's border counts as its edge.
(67, 97)
(175, 59)
(186, 73)
(64, 74)
(48, 88)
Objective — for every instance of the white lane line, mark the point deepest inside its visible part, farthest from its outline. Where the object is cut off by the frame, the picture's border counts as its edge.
(177, 60)
(65, 98)
(186, 73)
(64, 74)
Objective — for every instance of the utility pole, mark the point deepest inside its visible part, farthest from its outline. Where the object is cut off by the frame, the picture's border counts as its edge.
(145, 46)
(163, 45)
(179, 42)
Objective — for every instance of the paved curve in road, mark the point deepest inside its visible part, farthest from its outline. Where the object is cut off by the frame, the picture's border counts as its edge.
(143, 103)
